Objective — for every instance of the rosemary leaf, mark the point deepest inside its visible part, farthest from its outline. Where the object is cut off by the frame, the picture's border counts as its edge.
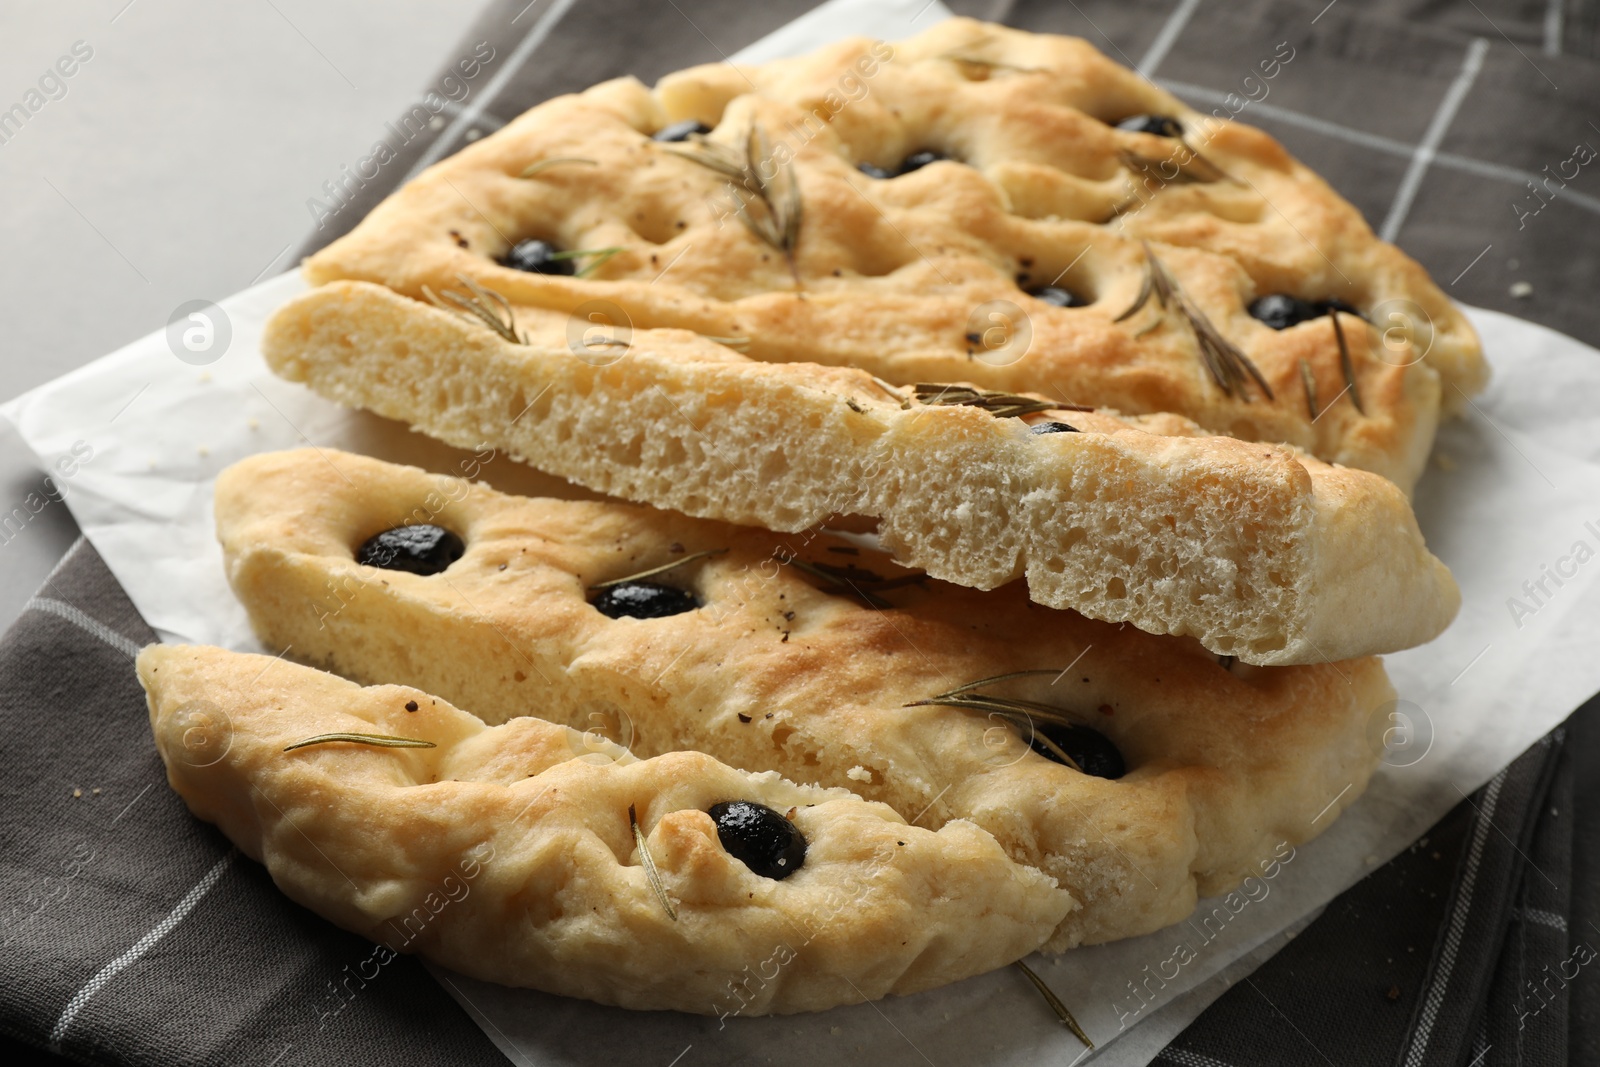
(653, 571)
(1014, 710)
(1055, 749)
(979, 43)
(871, 600)
(982, 682)
(1145, 289)
(777, 222)
(376, 740)
(738, 344)
(891, 389)
(1228, 367)
(988, 64)
(1344, 360)
(1056, 1006)
(649, 863)
(1309, 380)
(479, 304)
(600, 254)
(1000, 405)
(534, 168)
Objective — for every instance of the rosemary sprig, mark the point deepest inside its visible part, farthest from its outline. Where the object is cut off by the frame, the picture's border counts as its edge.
(481, 305)
(738, 344)
(533, 169)
(1344, 359)
(1056, 1006)
(1309, 381)
(1014, 710)
(859, 581)
(1230, 368)
(1000, 405)
(777, 222)
(600, 254)
(376, 740)
(653, 571)
(649, 864)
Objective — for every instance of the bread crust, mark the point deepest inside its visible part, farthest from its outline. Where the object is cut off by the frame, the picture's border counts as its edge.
(1227, 764)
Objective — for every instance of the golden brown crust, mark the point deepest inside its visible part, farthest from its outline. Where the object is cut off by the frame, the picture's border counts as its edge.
(1226, 764)
(507, 853)
(892, 274)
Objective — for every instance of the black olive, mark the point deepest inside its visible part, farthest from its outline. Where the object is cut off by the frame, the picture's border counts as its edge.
(1090, 749)
(680, 131)
(918, 160)
(643, 600)
(1160, 125)
(1052, 427)
(873, 171)
(759, 837)
(537, 257)
(1281, 311)
(1333, 304)
(420, 549)
(1056, 296)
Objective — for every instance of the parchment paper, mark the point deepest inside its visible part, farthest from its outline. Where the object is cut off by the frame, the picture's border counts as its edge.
(1512, 504)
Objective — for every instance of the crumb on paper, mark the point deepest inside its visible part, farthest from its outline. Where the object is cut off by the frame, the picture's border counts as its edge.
(205, 376)
(254, 424)
(858, 773)
(203, 450)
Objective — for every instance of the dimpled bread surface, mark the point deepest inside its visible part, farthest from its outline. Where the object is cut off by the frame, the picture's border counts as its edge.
(506, 852)
(778, 672)
(894, 276)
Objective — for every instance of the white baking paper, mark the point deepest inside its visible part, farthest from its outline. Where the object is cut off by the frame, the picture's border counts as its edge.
(1512, 505)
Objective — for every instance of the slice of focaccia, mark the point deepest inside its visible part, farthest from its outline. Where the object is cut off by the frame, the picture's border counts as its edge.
(508, 852)
(976, 204)
(1256, 550)
(1138, 771)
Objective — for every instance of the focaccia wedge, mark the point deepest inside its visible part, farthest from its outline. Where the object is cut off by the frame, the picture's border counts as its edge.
(508, 853)
(921, 211)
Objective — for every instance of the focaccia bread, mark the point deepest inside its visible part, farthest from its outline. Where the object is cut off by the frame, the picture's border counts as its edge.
(920, 211)
(1255, 550)
(508, 852)
(1138, 771)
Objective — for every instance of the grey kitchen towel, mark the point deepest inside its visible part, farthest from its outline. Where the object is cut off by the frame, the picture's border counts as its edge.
(134, 934)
